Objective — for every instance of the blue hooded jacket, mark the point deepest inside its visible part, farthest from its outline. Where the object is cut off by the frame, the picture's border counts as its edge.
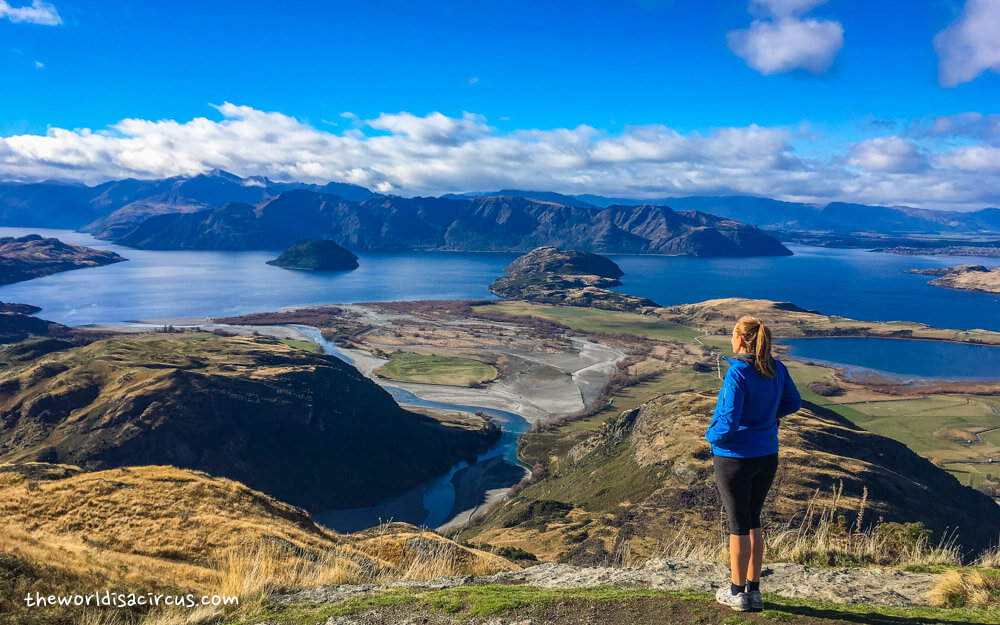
(745, 423)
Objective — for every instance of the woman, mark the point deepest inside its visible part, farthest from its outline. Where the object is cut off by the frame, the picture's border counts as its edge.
(756, 392)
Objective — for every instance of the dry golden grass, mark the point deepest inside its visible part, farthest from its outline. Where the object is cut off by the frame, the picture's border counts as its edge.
(822, 538)
(819, 538)
(970, 588)
(989, 559)
(682, 546)
(163, 529)
(156, 525)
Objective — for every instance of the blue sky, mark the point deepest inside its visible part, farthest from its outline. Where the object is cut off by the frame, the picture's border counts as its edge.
(822, 77)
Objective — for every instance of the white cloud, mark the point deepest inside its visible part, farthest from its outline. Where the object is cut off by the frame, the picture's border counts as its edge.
(435, 154)
(432, 129)
(474, 80)
(38, 12)
(971, 45)
(783, 41)
(973, 158)
(891, 154)
(39, 65)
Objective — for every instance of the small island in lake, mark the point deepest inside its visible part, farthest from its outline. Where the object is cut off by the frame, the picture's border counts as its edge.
(33, 256)
(553, 276)
(316, 255)
(964, 278)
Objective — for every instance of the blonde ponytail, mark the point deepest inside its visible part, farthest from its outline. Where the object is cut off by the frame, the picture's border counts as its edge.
(757, 337)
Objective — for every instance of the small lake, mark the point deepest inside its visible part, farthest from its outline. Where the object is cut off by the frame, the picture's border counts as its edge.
(900, 359)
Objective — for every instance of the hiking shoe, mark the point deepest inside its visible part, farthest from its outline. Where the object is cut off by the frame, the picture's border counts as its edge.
(739, 602)
(756, 601)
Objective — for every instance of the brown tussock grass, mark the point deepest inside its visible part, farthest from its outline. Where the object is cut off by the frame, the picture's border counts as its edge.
(821, 537)
(989, 559)
(822, 534)
(969, 588)
(163, 529)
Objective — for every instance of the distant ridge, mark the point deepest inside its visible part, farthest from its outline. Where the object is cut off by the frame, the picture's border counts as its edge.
(114, 209)
(490, 223)
(107, 208)
(837, 217)
(543, 196)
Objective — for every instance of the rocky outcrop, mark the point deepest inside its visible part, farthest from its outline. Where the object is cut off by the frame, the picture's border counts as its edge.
(306, 428)
(316, 255)
(976, 278)
(553, 276)
(32, 256)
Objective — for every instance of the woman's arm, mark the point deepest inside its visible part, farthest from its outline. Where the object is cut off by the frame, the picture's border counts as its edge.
(790, 398)
(728, 409)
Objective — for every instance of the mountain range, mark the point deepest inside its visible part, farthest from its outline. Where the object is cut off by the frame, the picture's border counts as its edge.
(107, 207)
(219, 210)
(769, 214)
(494, 223)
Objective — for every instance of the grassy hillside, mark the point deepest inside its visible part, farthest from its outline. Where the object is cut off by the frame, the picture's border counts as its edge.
(301, 426)
(163, 529)
(643, 481)
(935, 422)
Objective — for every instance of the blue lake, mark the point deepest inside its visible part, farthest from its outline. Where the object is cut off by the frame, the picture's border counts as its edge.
(900, 359)
(850, 283)
(162, 284)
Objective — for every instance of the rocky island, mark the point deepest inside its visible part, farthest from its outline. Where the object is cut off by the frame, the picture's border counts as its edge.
(316, 255)
(553, 276)
(976, 278)
(33, 256)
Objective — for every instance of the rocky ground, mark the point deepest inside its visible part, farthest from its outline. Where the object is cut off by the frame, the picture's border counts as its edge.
(664, 591)
(859, 585)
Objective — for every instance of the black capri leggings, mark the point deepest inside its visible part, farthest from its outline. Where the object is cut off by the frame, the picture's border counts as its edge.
(743, 484)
